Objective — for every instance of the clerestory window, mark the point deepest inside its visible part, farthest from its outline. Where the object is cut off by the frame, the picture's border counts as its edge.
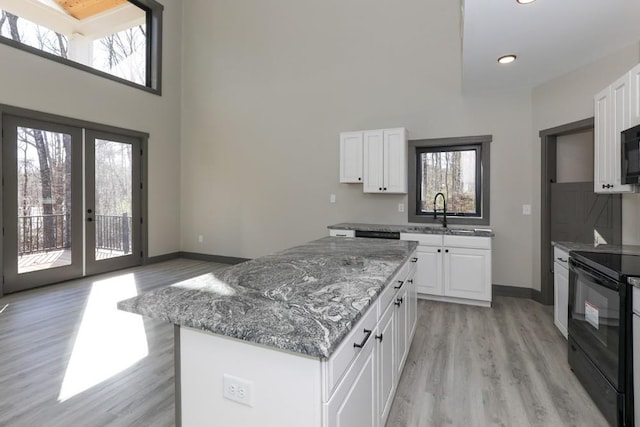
(118, 39)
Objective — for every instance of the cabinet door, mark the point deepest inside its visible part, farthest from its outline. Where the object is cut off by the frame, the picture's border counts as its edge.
(351, 157)
(428, 278)
(386, 361)
(634, 96)
(401, 315)
(636, 372)
(619, 122)
(561, 298)
(602, 134)
(355, 401)
(412, 304)
(467, 273)
(373, 161)
(395, 160)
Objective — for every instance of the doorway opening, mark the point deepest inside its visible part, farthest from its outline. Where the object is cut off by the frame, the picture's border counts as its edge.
(72, 198)
(570, 210)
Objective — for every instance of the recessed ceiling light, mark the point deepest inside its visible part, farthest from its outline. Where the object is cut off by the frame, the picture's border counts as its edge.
(507, 59)
(525, 1)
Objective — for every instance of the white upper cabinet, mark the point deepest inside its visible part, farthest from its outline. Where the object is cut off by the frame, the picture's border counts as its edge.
(395, 160)
(373, 161)
(634, 96)
(351, 157)
(385, 161)
(613, 107)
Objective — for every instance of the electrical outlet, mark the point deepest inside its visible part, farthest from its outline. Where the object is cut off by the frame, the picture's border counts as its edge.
(332, 198)
(200, 238)
(526, 209)
(400, 207)
(237, 389)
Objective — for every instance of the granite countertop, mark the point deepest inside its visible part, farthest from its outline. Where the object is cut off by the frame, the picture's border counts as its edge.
(304, 299)
(588, 247)
(417, 229)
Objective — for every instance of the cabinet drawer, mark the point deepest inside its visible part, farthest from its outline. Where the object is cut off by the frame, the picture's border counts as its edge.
(561, 257)
(342, 233)
(423, 239)
(389, 293)
(470, 242)
(347, 352)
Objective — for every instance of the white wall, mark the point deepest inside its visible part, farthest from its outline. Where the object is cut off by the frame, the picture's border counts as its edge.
(31, 82)
(567, 99)
(268, 86)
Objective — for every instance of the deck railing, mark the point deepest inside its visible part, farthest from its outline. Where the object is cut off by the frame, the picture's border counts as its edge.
(113, 232)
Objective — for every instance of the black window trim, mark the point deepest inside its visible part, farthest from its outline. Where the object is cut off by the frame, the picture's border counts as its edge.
(154, 51)
(483, 175)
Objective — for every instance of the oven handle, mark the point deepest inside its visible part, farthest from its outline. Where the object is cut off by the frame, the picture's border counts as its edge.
(594, 275)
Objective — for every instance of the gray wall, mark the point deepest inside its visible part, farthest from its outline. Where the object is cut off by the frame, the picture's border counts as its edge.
(575, 157)
(29, 81)
(268, 86)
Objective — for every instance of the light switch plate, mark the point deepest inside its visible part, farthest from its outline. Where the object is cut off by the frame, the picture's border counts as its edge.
(526, 209)
(332, 198)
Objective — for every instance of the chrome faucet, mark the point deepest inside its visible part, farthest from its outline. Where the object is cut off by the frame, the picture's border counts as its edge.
(444, 210)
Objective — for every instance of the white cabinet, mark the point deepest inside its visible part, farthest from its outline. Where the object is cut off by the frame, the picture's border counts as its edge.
(351, 157)
(561, 290)
(612, 115)
(387, 356)
(342, 233)
(453, 268)
(467, 273)
(354, 403)
(385, 161)
(636, 353)
(634, 96)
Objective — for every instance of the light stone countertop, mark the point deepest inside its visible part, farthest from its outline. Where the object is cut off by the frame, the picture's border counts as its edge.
(417, 229)
(304, 299)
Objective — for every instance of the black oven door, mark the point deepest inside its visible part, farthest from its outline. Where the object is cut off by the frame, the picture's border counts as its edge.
(594, 319)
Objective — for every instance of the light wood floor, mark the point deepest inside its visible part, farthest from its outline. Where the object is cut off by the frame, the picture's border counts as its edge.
(468, 366)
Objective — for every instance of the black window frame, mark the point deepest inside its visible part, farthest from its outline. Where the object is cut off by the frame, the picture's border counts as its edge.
(153, 84)
(481, 144)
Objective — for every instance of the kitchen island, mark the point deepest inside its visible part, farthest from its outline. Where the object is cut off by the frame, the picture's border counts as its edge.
(315, 335)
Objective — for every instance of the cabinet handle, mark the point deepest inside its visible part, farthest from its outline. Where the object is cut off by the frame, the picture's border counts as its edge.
(439, 250)
(341, 235)
(379, 337)
(446, 250)
(562, 259)
(603, 186)
(410, 280)
(400, 285)
(414, 259)
(399, 301)
(364, 340)
(385, 188)
(380, 188)
(359, 179)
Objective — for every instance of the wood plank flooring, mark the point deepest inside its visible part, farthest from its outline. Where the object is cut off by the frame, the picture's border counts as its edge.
(504, 366)
(468, 366)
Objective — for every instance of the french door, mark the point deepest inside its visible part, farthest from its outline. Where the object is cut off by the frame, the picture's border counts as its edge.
(71, 202)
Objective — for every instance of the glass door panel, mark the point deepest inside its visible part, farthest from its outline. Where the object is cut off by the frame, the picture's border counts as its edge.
(112, 201)
(42, 165)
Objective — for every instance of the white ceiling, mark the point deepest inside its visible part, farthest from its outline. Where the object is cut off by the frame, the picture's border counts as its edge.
(550, 37)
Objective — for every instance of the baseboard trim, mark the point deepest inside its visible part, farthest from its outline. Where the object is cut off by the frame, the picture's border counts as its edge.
(518, 292)
(161, 258)
(212, 258)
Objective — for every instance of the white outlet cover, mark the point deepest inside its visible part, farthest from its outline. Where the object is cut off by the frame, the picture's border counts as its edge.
(400, 207)
(526, 209)
(237, 389)
(332, 198)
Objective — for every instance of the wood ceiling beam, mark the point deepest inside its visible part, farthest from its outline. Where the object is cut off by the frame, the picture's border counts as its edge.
(81, 9)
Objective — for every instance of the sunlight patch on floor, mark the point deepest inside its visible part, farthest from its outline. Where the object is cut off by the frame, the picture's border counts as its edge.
(109, 340)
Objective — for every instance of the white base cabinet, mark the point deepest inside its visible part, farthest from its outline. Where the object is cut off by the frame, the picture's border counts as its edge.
(353, 388)
(453, 268)
(561, 290)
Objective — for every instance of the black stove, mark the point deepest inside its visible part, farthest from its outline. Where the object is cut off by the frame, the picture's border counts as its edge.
(614, 265)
